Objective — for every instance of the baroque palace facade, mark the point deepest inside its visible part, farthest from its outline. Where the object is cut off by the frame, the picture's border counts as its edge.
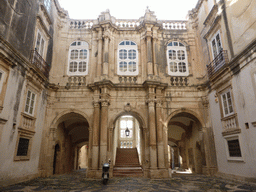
(185, 90)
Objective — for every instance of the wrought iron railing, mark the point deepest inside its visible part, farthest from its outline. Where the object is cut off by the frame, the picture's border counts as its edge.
(220, 61)
(37, 60)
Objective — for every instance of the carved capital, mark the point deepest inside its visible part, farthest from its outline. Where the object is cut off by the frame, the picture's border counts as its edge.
(96, 103)
(104, 102)
(151, 102)
(159, 103)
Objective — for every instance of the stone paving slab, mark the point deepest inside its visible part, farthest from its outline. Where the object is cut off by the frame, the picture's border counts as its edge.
(76, 182)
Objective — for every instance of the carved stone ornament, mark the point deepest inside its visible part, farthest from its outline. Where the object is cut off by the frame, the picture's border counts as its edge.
(127, 107)
(205, 101)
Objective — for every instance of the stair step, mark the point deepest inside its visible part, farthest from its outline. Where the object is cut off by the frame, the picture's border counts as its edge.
(127, 163)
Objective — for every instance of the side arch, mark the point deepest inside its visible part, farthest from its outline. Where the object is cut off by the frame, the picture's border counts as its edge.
(188, 111)
(60, 117)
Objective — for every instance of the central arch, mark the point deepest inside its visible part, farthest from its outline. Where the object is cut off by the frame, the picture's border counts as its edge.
(133, 145)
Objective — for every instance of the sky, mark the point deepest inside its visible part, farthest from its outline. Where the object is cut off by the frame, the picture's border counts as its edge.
(132, 9)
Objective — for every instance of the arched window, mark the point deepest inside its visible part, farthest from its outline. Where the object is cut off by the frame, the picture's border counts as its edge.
(177, 59)
(127, 62)
(78, 58)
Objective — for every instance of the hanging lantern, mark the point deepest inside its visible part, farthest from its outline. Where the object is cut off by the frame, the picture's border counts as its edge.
(127, 132)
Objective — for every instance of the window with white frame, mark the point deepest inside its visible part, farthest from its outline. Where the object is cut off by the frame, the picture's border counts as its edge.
(227, 103)
(177, 59)
(127, 62)
(47, 4)
(30, 103)
(125, 123)
(216, 45)
(233, 147)
(78, 58)
(40, 43)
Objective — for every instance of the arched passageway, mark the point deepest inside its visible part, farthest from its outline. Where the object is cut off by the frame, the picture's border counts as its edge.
(71, 143)
(128, 147)
(186, 151)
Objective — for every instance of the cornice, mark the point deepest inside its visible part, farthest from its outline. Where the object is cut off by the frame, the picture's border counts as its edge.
(10, 55)
(214, 24)
(210, 16)
(152, 83)
(46, 14)
(61, 12)
(43, 26)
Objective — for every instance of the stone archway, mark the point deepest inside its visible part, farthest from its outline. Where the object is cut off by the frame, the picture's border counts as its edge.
(70, 135)
(135, 142)
(186, 142)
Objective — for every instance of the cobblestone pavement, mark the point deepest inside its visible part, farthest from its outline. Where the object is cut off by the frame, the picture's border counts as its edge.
(76, 182)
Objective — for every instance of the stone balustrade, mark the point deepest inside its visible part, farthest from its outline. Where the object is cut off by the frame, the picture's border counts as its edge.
(229, 123)
(125, 79)
(128, 23)
(27, 121)
(74, 81)
(174, 25)
(126, 144)
(80, 24)
(179, 81)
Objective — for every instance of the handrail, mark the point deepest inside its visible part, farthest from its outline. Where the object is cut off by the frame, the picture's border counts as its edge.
(219, 61)
(37, 60)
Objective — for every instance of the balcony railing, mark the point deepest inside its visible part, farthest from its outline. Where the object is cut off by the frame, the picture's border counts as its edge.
(27, 121)
(219, 61)
(37, 60)
(179, 81)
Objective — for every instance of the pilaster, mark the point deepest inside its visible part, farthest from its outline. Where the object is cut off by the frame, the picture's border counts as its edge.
(99, 54)
(149, 50)
(106, 55)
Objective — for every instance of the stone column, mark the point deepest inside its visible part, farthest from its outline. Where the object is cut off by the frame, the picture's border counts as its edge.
(51, 148)
(210, 152)
(152, 129)
(96, 127)
(104, 130)
(89, 151)
(160, 142)
(146, 151)
(99, 63)
(105, 56)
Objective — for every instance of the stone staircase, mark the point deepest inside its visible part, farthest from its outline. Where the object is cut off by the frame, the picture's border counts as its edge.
(127, 163)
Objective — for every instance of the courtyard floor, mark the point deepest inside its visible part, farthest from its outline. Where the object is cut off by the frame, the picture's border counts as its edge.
(77, 182)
